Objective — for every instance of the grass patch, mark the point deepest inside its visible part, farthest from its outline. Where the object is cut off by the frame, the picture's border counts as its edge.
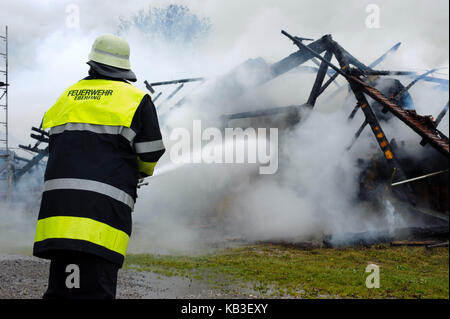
(275, 271)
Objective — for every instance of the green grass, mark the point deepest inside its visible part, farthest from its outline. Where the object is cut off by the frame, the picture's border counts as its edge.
(277, 271)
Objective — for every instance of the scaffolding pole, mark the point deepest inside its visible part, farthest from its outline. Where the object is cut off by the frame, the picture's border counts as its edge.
(4, 87)
(7, 169)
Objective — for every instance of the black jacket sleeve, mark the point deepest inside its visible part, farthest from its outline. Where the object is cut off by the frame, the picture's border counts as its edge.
(148, 143)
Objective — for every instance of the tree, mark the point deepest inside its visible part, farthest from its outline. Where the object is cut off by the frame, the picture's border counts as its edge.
(173, 24)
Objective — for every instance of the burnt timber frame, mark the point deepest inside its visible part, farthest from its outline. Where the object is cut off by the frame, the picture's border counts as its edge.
(150, 86)
(353, 71)
(424, 126)
(43, 137)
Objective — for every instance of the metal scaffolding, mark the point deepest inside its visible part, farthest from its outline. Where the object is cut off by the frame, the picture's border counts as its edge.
(6, 156)
(10, 170)
(4, 90)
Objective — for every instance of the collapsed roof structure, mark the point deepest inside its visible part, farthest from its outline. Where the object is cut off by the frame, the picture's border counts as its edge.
(379, 96)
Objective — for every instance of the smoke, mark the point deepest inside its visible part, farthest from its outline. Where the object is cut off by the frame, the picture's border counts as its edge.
(189, 206)
(19, 207)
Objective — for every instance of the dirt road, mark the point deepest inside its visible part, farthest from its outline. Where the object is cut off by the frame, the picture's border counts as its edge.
(23, 277)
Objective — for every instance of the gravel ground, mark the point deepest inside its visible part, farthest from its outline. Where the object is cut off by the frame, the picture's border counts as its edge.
(23, 277)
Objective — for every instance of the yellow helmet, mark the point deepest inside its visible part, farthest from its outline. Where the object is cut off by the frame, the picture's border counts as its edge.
(111, 50)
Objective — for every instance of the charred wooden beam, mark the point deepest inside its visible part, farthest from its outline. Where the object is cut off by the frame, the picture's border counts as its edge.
(350, 58)
(378, 132)
(353, 113)
(436, 123)
(34, 161)
(369, 238)
(441, 115)
(40, 138)
(315, 92)
(177, 81)
(419, 177)
(405, 192)
(366, 71)
(171, 95)
(19, 158)
(442, 82)
(444, 244)
(150, 86)
(413, 243)
(156, 97)
(330, 80)
(310, 52)
(357, 134)
(40, 131)
(264, 112)
(424, 126)
(406, 88)
(33, 149)
(385, 55)
(296, 59)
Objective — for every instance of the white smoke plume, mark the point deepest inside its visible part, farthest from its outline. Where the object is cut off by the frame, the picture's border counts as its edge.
(189, 206)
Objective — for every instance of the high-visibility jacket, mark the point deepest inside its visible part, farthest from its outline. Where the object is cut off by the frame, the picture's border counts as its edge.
(104, 136)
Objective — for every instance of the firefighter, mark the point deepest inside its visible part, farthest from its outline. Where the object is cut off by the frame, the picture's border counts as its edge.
(104, 137)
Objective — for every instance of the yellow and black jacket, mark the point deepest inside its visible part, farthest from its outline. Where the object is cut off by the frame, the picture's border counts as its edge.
(104, 136)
